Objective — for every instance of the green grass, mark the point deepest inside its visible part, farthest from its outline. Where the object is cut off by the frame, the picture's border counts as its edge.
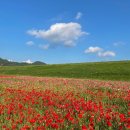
(100, 70)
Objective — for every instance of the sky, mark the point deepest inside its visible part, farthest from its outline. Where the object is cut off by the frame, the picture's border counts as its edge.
(64, 31)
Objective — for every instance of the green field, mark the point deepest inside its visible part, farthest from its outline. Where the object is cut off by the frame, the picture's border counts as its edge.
(99, 70)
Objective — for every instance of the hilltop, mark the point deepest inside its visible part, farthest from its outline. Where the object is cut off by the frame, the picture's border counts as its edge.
(4, 62)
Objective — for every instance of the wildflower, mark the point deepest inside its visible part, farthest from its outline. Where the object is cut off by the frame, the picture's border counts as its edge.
(84, 127)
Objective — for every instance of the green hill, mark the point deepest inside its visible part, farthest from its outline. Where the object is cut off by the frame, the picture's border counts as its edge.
(100, 70)
(4, 62)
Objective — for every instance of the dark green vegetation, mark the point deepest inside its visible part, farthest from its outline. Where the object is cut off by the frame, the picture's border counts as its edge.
(100, 70)
(4, 62)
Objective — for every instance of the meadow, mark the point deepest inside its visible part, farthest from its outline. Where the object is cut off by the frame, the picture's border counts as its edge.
(101, 70)
(82, 96)
(37, 103)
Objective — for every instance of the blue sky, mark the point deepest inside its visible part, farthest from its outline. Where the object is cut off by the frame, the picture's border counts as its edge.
(64, 31)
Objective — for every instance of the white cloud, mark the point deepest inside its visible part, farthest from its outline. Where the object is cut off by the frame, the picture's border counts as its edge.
(44, 47)
(58, 18)
(28, 61)
(79, 15)
(100, 52)
(93, 50)
(106, 54)
(30, 43)
(119, 43)
(60, 33)
(10, 60)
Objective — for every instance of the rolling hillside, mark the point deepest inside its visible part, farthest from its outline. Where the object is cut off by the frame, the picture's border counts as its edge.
(100, 70)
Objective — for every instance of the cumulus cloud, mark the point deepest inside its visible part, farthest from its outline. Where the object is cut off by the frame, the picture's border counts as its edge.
(28, 61)
(30, 43)
(78, 15)
(100, 52)
(106, 54)
(60, 33)
(93, 49)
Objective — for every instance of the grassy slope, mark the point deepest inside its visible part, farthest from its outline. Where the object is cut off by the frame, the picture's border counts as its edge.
(103, 70)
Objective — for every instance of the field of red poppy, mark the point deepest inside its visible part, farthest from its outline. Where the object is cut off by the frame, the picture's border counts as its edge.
(34, 103)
